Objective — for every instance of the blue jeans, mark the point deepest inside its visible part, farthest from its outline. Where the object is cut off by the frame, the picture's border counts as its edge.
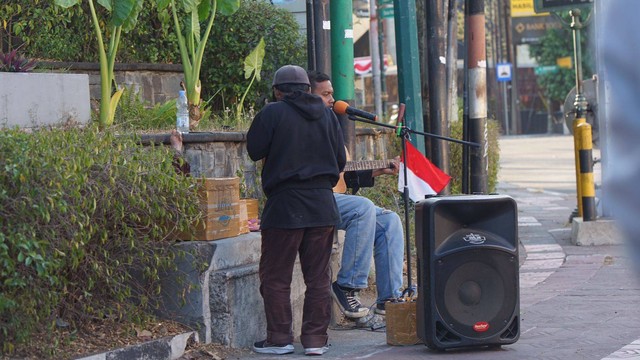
(370, 230)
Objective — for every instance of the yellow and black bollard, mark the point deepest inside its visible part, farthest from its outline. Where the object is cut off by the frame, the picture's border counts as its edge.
(587, 192)
(576, 147)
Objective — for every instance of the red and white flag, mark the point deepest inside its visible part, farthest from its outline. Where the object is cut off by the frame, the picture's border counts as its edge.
(423, 178)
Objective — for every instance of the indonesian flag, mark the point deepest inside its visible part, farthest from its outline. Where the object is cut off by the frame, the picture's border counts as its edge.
(423, 178)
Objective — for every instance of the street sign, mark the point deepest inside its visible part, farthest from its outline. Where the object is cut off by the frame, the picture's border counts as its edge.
(503, 71)
(565, 62)
(520, 8)
(385, 2)
(529, 30)
(557, 5)
(548, 69)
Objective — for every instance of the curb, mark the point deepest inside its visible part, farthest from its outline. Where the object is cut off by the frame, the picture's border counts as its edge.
(169, 348)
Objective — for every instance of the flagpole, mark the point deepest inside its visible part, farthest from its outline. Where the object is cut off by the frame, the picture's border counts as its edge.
(404, 132)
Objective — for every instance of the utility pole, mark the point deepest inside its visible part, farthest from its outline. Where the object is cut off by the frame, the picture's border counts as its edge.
(477, 96)
(452, 61)
(342, 73)
(318, 36)
(436, 15)
(383, 74)
(322, 26)
(409, 67)
(374, 48)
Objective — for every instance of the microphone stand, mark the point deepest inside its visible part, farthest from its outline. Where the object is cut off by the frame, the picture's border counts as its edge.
(402, 130)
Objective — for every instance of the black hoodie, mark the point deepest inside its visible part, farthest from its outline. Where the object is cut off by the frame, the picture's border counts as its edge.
(302, 144)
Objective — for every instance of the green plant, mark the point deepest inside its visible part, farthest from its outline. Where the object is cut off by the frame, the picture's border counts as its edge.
(252, 67)
(557, 44)
(192, 42)
(133, 113)
(455, 156)
(236, 35)
(123, 17)
(84, 224)
(12, 62)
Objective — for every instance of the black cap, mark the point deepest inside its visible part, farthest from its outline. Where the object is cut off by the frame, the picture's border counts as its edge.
(290, 74)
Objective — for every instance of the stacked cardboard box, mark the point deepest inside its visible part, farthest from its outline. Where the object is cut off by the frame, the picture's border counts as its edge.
(220, 204)
(248, 212)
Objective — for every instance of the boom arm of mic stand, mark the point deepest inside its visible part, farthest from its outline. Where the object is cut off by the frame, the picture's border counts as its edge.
(407, 129)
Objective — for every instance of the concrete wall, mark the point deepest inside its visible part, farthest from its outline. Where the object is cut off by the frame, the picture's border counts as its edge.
(35, 99)
(155, 83)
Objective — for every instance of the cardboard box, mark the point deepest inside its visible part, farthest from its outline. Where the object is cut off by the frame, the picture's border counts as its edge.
(248, 211)
(220, 203)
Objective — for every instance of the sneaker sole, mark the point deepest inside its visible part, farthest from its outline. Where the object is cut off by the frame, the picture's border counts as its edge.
(315, 351)
(380, 312)
(350, 314)
(276, 351)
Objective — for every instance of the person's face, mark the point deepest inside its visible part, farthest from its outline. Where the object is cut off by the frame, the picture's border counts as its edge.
(325, 91)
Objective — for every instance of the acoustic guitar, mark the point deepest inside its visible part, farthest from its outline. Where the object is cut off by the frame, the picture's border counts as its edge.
(341, 186)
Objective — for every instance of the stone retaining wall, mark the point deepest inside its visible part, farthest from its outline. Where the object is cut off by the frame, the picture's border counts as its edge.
(223, 301)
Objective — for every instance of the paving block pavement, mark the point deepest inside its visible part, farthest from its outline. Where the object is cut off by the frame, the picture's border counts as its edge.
(576, 302)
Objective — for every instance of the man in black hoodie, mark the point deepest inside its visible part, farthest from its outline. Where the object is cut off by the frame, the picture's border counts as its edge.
(300, 142)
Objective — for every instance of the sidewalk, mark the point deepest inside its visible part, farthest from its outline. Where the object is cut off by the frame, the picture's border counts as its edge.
(575, 302)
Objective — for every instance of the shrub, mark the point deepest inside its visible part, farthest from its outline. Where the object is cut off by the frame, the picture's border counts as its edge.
(134, 113)
(83, 228)
(234, 37)
(455, 156)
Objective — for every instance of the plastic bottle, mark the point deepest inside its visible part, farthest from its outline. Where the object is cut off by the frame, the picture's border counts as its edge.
(182, 113)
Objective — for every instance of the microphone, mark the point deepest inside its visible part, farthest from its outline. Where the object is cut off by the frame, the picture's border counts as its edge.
(342, 108)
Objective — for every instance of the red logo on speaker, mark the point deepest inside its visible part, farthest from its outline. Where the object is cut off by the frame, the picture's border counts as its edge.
(481, 326)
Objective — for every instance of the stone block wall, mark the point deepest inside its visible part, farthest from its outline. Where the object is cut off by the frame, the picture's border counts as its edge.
(155, 83)
(222, 301)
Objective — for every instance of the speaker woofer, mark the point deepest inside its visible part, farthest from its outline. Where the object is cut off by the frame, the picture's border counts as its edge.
(479, 299)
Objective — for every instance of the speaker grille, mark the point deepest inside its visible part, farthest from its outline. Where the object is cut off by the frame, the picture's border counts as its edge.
(479, 291)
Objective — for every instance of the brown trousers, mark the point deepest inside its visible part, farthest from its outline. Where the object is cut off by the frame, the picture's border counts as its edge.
(279, 249)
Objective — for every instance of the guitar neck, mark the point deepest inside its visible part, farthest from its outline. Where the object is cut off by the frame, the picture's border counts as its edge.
(367, 165)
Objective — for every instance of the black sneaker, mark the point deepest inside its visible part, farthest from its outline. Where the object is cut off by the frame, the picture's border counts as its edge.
(265, 347)
(347, 300)
(380, 309)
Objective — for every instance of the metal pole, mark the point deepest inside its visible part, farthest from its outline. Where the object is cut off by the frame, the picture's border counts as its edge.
(465, 104)
(409, 66)
(342, 73)
(311, 37)
(585, 188)
(375, 58)
(477, 63)
(506, 110)
(436, 14)
(383, 75)
(322, 31)
(452, 61)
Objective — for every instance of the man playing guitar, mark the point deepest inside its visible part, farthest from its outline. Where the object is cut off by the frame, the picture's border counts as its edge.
(369, 229)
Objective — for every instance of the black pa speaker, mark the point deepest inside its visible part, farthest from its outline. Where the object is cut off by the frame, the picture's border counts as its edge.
(468, 286)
